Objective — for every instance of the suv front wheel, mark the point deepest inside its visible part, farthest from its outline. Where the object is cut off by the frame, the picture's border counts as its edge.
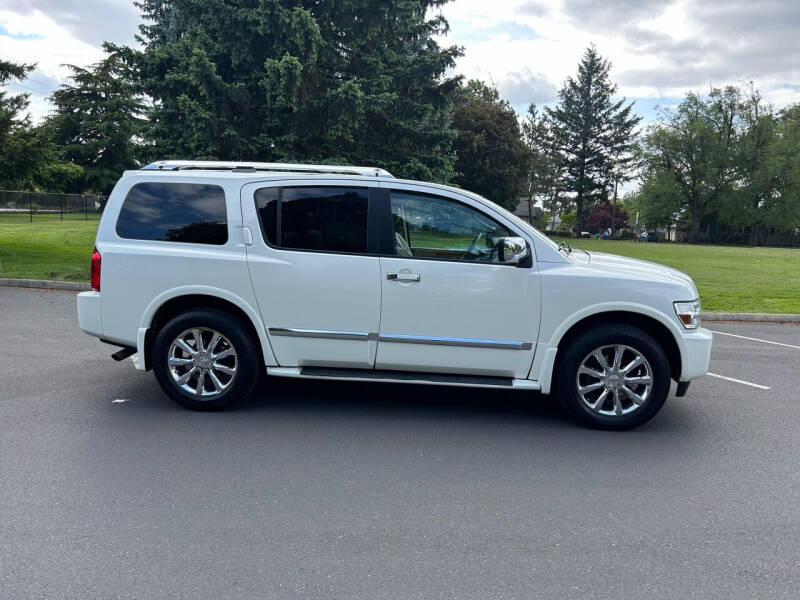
(613, 377)
(206, 359)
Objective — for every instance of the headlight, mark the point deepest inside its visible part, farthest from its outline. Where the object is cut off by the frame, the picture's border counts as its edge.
(688, 313)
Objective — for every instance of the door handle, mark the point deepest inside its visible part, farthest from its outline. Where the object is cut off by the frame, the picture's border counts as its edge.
(403, 276)
(247, 235)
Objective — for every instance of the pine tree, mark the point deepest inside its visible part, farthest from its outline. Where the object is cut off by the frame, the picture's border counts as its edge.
(29, 159)
(12, 106)
(97, 122)
(352, 81)
(16, 162)
(592, 131)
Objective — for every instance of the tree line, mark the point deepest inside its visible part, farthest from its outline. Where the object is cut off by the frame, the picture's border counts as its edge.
(359, 82)
(727, 164)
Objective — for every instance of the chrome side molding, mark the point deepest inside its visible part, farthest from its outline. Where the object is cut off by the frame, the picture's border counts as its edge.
(321, 334)
(398, 338)
(452, 341)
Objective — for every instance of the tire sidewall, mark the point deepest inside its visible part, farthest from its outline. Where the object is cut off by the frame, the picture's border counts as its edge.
(232, 328)
(611, 335)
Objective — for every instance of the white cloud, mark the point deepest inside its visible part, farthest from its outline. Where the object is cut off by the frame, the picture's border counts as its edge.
(523, 87)
(659, 48)
(91, 21)
(33, 37)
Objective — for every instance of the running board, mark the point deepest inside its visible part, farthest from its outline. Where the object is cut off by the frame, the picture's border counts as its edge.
(403, 377)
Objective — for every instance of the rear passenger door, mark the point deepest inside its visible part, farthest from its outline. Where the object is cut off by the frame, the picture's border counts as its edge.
(314, 269)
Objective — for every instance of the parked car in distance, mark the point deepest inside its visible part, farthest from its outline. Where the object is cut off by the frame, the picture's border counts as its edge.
(217, 273)
(648, 236)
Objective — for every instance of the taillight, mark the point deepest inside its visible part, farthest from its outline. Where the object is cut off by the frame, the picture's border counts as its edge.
(96, 270)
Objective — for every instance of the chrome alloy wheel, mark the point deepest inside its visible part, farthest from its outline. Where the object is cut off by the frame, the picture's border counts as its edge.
(202, 362)
(614, 380)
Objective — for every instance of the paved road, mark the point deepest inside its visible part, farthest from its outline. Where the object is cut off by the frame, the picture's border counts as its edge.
(341, 490)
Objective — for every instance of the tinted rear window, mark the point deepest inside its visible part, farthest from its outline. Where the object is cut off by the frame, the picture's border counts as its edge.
(174, 212)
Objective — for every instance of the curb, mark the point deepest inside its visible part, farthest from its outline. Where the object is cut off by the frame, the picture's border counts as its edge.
(74, 286)
(45, 284)
(750, 317)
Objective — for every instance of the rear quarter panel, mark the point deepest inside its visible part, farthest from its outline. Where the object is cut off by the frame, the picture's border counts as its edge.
(138, 276)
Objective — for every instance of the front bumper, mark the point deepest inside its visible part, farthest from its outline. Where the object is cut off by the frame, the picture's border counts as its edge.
(695, 353)
(89, 317)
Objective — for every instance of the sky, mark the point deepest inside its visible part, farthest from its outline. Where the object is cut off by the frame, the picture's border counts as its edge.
(660, 49)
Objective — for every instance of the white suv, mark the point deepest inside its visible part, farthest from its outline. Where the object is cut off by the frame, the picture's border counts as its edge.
(213, 271)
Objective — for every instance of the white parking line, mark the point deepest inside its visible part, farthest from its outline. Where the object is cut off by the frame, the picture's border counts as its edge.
(744, 337)
(755, 385)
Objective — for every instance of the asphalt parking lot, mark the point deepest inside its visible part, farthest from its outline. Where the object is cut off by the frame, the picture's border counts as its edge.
(343, 490)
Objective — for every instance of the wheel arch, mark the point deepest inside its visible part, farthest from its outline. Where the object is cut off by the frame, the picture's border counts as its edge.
(648, 323)
(168, 305)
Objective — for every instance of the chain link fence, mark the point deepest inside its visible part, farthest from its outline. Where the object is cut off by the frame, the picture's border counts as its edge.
(23, 207)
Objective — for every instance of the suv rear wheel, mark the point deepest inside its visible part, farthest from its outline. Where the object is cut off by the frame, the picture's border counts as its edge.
(206, 359)
(613, 377)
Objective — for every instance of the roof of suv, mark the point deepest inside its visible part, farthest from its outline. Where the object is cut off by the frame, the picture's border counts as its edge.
(255, 167)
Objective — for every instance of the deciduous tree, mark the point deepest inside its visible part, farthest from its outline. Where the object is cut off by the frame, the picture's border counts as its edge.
(545, 162)
(491, 158)
(602, 215)
(766, 150)
(691, 152)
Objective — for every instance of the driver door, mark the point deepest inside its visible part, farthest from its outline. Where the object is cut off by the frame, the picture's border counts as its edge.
(448, 305)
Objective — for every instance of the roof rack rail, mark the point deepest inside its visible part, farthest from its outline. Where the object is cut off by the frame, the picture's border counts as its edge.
(250, 167)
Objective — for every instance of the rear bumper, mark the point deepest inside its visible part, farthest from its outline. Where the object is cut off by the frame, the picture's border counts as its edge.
(696, 353)
(89, 317)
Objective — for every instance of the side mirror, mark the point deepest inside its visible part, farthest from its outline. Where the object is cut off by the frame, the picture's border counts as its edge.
(512, 250)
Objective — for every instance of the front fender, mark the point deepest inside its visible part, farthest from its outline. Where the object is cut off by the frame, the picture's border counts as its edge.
(546, 350)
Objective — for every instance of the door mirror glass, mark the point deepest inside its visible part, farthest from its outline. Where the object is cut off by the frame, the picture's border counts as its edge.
(512, 250)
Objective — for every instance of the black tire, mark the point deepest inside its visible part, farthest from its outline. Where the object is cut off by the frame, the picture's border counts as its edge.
(248, 364)
(608, 335)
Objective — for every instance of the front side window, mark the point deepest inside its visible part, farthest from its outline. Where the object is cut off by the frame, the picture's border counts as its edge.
(433, 227)
(321, 218)
(174, 212)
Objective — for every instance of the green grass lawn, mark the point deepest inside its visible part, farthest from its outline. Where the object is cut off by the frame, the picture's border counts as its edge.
(46, 248)
(729, 278)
